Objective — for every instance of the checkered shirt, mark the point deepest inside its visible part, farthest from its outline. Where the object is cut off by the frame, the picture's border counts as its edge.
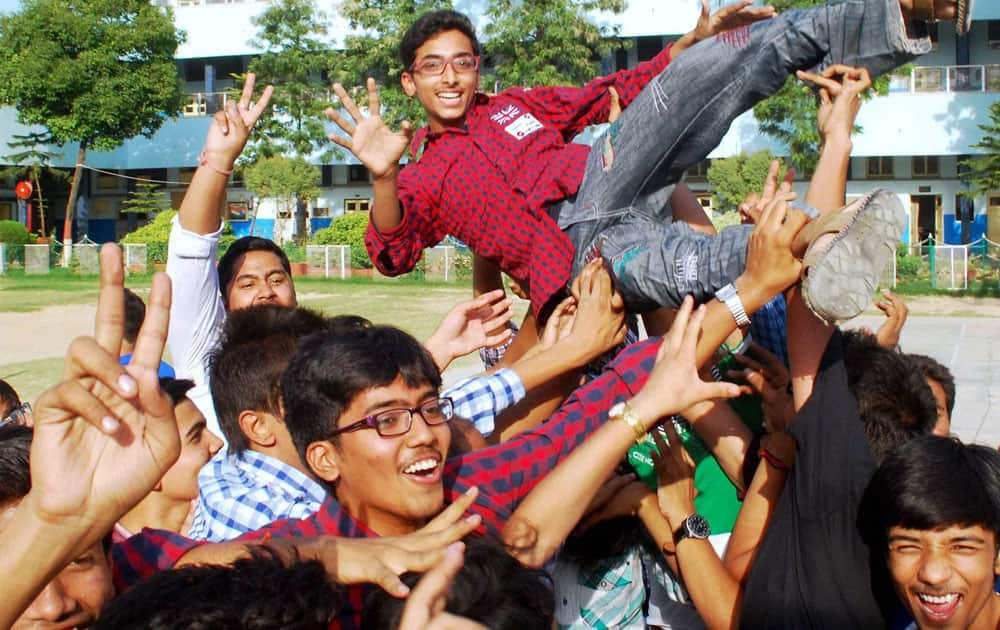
(488, 183)
(481, 398)
(767, 326)
(505, 474)
(240, 493)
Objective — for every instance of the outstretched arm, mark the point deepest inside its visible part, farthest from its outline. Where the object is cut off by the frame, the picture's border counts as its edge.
(227, 136)
(558, 502)
(377, 147)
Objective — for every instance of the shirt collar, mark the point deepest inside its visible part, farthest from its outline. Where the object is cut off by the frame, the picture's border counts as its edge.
(274, 470)
(424, 135)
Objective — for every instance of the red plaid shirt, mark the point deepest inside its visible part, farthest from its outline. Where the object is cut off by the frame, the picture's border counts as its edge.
(504, 473)
(488, 183)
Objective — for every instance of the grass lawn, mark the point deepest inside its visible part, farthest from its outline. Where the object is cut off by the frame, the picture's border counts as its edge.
(412, 305)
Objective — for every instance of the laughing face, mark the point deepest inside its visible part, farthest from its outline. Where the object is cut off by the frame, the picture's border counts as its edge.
(447, 96)
(392, 484)
(945, 577)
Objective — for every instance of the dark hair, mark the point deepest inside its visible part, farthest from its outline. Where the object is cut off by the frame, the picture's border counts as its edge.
(8, 396)
(135, 313)
(254, 349)
(934, 482)
(330, 370)
(893, 399)
(934, 370)
(491, 588)
(255, 592)
(176, 388)
(430, 24)
(227, 264)
(15, 471)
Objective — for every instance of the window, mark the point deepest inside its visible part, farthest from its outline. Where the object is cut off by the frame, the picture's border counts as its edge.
(103, 181)
(879, 168)
(707, 202)
(993, 33)
(699, 171)
(357, 173)
(8, 210)
(926, 166)
(994, 201)
(356, 205)
(318, 212)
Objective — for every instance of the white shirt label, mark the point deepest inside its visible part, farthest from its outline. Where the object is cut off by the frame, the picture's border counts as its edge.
(523, 126)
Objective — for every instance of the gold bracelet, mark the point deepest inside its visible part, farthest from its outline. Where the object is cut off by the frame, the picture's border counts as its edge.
(623, 411)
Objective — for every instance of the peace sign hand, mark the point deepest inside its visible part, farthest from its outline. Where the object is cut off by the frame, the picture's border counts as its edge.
(106, 434)
(231, 127)
(369, 138)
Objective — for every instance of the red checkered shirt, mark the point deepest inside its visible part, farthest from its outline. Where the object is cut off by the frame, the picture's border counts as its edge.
(488, 183)
(504, 473)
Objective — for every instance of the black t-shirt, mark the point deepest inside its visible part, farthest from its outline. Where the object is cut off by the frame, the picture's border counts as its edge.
(812, 568)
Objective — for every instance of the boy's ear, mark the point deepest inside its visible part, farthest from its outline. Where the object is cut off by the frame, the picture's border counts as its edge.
(322, 460)
(406, 79)
(996, 564)
(256, 427)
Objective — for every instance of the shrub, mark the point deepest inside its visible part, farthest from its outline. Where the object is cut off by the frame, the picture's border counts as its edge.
(908, 267)
(14, 233)
(348, 229)
(155, 235)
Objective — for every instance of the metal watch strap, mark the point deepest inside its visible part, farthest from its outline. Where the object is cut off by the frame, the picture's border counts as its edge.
(729, 296)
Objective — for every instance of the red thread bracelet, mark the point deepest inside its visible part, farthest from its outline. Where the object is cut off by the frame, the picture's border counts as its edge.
(203, 160)
(770, 458)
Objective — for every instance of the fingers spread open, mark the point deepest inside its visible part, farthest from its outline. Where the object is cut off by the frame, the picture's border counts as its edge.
(261, 106)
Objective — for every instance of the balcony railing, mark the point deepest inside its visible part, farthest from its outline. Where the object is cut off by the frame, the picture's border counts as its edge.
(205, 103)
(927, 79)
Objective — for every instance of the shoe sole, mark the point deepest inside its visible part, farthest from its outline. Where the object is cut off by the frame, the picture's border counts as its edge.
(840, 284)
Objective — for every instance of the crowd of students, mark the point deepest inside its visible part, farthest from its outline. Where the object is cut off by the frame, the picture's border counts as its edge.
(745, 463)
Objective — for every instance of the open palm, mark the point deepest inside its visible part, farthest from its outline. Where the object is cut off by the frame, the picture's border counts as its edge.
(375, 145)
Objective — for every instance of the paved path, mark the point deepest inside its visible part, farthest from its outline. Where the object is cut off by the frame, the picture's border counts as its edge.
(970, 347)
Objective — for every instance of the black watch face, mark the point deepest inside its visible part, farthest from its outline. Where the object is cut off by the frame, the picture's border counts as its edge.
(698, 526)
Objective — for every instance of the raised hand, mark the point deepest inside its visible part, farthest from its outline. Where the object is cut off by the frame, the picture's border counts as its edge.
(599, 323)
(729, 17)
(106, 434)
(231, 127)
(770, 380)
(839, 100)
(896, 312)
(471, 325)
(754, 203)
(368, 137)
(772, 266)
(674, 383)
(675, 474)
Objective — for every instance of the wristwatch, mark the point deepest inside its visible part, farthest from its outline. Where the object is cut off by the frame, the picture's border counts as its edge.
(729, 296)
(622, 411)
(694, 526)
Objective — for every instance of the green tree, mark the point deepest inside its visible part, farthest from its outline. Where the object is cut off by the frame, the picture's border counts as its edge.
(982, 172)
(293, 37)
(348, 229)
(546, 42)
(284, 179)
(147, 198)
(96, 72)
(32, 161)
(372, 50)
(735, 177)
(789, 116)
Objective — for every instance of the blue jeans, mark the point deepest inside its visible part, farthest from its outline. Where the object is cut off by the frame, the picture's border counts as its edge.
(622, 209)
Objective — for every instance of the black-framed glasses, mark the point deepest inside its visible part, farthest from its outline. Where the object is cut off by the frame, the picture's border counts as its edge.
(460, 63)
(19, 416)
(396, 422)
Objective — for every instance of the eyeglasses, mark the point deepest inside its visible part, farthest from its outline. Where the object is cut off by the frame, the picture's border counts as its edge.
(460, 63)
(19, 416)
(395, 422)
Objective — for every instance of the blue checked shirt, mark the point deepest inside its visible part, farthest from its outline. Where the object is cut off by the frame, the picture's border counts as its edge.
(481, 398)
(241, 493)
(767, 327)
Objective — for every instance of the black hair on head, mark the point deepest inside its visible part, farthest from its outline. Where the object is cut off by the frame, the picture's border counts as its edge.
(430, 24)
(330, 370)
(893, 399)
(227, 264)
